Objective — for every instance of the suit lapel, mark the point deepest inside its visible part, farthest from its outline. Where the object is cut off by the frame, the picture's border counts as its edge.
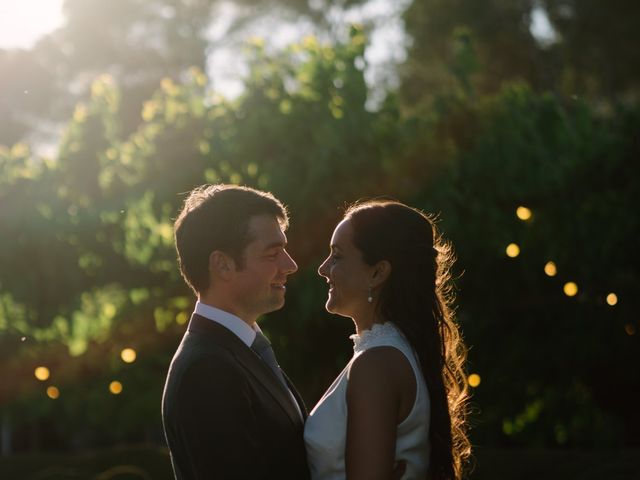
(252, 363)
(297, 396)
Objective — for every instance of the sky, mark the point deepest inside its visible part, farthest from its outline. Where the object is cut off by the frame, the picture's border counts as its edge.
(24, 22)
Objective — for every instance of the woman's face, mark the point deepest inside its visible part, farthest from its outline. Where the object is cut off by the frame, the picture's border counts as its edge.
(349, 277)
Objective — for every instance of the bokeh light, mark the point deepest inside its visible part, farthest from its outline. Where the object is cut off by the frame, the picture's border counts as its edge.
(182, 318)
(42, 373)
(474, 380)
(128, 355)
(523, 213)
(513, 250)
(53, 392)
(630, 329)
(570, 289)
(550, 269)
(115, 387)
(612, 299)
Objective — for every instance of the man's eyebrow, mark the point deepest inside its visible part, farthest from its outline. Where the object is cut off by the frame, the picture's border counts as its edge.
(276, 244)
(335, 246)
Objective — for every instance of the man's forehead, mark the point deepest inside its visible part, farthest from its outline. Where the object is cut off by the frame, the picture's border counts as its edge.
(266, 230)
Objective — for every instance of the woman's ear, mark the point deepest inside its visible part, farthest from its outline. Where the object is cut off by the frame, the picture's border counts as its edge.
(381, 272)
(221, 265)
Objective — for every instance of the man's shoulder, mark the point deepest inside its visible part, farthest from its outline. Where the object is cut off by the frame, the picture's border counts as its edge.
(198, 364)
(196, 351)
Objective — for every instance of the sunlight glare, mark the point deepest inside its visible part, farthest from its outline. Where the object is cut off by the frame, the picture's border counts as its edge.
(24, 22)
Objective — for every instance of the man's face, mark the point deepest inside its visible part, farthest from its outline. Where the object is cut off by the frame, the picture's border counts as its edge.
(259, 287)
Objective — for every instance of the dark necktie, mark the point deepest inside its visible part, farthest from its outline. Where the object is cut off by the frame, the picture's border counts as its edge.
(262, 347)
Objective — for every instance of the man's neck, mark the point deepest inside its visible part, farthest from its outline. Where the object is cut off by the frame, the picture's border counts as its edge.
(219, 303)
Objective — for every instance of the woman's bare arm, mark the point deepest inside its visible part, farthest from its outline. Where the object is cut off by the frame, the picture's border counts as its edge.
(380, 394)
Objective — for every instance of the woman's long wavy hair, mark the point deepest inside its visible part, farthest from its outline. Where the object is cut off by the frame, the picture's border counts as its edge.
(418, 298)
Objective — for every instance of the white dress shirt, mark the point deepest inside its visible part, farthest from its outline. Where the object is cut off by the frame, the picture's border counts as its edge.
(228, 320)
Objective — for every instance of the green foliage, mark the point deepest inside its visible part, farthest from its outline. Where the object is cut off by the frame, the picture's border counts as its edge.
(548, 378)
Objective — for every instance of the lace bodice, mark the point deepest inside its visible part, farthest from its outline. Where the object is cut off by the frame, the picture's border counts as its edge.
(371, 337)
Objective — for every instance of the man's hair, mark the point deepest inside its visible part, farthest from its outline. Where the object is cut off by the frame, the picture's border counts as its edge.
(216, 217)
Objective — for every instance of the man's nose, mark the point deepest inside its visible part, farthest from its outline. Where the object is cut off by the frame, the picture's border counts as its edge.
(289, 265)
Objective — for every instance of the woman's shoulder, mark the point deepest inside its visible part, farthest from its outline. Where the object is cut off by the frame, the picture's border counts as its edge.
(380, 367)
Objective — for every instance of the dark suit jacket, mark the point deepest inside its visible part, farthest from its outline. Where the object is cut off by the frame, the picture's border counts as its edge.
(225, 413)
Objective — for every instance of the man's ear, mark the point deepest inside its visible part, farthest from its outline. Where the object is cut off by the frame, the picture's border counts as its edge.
(221, 265)
(381, 272)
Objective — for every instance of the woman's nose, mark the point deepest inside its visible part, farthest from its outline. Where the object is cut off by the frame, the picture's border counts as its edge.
(322, 269)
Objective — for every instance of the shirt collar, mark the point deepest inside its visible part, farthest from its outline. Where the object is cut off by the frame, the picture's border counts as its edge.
(238, 326)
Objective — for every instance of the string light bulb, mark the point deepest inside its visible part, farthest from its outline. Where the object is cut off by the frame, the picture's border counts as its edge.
(523, 213)
(513, 250)
(570, 289)
(115, 387)
(128, 355)
(42, 373)
(474, 380)
(550, 269)
(53, 392)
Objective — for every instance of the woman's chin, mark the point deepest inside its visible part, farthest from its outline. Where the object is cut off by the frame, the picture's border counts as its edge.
(335, 309)
(331, 306)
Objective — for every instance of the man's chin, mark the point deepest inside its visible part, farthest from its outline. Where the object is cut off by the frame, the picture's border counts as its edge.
(275, 304)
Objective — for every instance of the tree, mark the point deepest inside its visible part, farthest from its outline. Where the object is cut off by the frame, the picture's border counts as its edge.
(585, 56)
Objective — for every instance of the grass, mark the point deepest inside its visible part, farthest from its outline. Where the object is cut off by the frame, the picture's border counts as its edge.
(152, 463)
(123, 463)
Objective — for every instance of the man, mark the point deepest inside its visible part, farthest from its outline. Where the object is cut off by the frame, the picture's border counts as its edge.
(228, 410)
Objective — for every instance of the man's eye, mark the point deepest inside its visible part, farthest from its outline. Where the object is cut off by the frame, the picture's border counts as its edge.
(335, 256)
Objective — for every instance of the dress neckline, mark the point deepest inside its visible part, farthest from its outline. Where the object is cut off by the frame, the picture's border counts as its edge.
(367, 337)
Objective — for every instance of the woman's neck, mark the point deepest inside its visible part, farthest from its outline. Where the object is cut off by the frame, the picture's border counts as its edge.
(366, 320)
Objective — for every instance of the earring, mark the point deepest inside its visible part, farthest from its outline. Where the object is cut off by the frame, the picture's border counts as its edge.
(370, 297)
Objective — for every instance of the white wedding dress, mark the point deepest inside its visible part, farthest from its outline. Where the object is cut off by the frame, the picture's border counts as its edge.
(325, 430)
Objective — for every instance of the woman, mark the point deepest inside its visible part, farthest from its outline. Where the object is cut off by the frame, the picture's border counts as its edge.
(400, 403)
